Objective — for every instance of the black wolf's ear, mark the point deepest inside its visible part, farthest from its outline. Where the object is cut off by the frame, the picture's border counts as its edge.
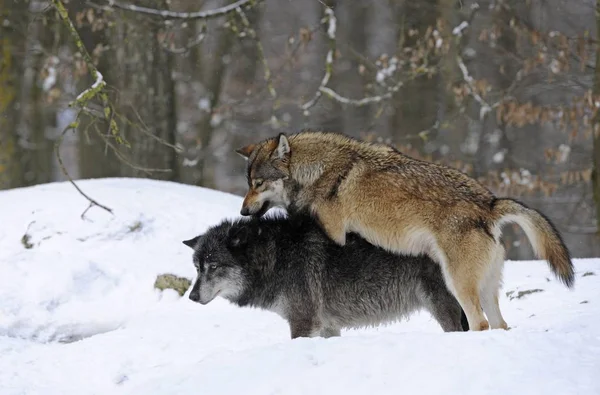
(239, 237)
(192, 242)
(283, 147)
(246, 151)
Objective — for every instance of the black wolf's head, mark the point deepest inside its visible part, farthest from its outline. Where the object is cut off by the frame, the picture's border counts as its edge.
(221, 260)
(268, 175)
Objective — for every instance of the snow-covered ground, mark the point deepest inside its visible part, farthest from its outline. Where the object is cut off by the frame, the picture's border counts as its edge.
(79, 314)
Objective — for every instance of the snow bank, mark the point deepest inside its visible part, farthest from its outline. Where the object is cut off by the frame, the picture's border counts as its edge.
(62, 274)
(79, 315)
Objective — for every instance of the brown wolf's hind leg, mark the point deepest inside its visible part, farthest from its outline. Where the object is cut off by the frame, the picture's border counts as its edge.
(491, 287)
(468, 259)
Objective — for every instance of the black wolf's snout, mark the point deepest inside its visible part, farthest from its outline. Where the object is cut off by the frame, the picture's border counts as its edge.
(195, 296)
(195, 293)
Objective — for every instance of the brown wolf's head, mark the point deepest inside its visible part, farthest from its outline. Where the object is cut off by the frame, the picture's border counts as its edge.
(267, 174)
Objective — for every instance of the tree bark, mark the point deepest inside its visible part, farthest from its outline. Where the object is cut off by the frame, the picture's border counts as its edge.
(596, 130)
(146, 97)
(12, 18)
(351, 20)
(416, 106)
(34, 148)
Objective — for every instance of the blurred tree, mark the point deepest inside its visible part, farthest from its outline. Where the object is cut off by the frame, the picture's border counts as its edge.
(596, 128)
(502, 90)
(96, 159)
(38, 80)
(145, 101)
(13, 20)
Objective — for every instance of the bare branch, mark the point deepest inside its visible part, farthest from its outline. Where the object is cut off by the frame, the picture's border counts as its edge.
(73, 126)
(89, 93)
(196, 41)
(166, 14)
(469, 80)
(365, 100)
(124, 159)
(331, 31)
(261, 53)
(98, 88)
(146, 130)
(485, 107)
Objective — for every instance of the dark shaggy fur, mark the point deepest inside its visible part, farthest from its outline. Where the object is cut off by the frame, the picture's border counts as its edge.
(289, 266)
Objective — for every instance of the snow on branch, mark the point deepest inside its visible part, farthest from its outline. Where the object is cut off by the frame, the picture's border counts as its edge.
(485, 107)
(457, 31)
(323, 89)
(360, 102)
(166, 14)
(90, 92)
(97, 88)
(469, 80)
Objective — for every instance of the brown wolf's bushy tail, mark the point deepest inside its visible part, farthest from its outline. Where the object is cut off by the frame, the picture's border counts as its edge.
(543, 236)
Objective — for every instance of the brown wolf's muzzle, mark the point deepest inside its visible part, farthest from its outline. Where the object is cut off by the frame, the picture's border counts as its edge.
(255, 208)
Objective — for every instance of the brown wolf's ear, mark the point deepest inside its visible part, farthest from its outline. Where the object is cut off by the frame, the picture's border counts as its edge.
(246, 151)
(283, 148)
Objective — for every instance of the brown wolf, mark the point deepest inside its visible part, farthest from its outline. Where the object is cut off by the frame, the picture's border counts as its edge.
(404, 205)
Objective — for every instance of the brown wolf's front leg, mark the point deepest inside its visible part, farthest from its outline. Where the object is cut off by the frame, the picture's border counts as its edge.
(332, 221)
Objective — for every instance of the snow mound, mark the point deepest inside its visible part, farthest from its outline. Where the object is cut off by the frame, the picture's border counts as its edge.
(79, 314)
(64, 276)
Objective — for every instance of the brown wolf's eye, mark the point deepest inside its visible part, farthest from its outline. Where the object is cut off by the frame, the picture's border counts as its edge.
(258, 183)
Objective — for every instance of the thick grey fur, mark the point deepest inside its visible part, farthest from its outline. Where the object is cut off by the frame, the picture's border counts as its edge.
(290, 267)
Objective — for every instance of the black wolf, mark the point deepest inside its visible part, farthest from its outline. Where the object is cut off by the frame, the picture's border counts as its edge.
(289, 266)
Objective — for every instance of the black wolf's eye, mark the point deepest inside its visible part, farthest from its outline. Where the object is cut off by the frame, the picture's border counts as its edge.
(212, 266)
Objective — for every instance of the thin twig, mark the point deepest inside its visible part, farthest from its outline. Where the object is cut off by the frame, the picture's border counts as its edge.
(189, 45)
(485, 106)
(469, 80)
(166, 14)
(146, 130)
(261, 52)
(365, 100)
(124, 159)
(331, 34)
(93, 202)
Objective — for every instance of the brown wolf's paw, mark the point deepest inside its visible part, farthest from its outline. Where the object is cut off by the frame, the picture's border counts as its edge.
(484, 326)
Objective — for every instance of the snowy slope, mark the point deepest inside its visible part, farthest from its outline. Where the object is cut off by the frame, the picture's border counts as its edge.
(91, 280)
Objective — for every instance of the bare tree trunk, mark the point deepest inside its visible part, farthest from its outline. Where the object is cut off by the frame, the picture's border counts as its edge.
(11, 44)
(229, 75)
(416, 105)
(352, 20)
(146, 97)
(596, 129)
(212, 74)
(35, 148)
(381, 39)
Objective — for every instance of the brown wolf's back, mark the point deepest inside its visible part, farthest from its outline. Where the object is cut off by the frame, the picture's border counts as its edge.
(421, 179)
